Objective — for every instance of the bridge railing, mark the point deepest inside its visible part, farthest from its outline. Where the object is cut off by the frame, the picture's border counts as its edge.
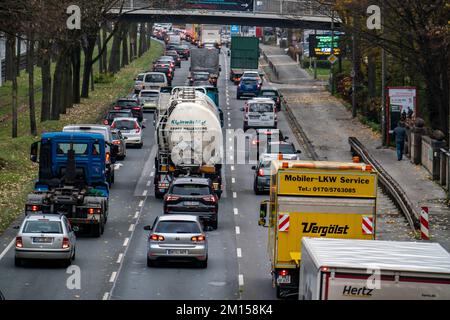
(281, 7)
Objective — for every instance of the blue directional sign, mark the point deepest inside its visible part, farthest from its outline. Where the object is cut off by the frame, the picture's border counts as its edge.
(225, 5)
(234, 29)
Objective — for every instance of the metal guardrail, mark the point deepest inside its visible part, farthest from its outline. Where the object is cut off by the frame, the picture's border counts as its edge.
(444, 174)
(390, 186)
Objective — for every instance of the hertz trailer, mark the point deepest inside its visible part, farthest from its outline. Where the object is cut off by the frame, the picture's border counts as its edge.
(343, 269)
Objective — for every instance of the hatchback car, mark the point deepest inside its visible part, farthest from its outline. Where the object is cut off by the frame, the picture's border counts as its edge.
(165, 59)
(154, 80)
(260, 113)
(261, 181)
(175, 56)
(45, 237)
(112, 114)
(167, 69)
(131, 130)
(130, 104)
(183, 51)
(248, 87)
(286, 149)
(272, 94)
(194, 196)
(120, 141)
(177, 237)
(149, 99)
(253, 75)
(199, 78)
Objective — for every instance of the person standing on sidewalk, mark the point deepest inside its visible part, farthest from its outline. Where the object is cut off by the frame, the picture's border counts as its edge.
(400, 137)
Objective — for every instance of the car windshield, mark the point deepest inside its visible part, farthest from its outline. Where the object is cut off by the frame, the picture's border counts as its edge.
(79, 148)
(154, 78)
(261, 107)
(127, 103)
(251, 75)
(249, 82)
(124, 124)
(115, 136)
(42, 227)
(162, 68)
(282, 148)
(191, 189)
(113, 115)
(148, 94)
(201, 76)
(269, 93)
(177, 227)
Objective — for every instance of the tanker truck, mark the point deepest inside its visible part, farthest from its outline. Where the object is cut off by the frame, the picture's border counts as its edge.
(190, 141)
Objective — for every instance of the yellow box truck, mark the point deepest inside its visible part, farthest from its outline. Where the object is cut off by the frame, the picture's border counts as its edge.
(315, 199)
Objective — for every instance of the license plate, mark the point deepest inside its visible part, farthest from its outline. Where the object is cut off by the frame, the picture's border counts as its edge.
(125, 131)
(43, 240)
(191, 203)
(253, 117)
(284, 279)
(177, 252)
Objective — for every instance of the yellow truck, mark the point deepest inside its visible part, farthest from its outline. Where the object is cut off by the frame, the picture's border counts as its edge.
(315, 199)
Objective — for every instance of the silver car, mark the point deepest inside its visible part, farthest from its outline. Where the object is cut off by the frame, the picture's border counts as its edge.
(48, 236)
(131, 130)
(149, 99)
(177, 237)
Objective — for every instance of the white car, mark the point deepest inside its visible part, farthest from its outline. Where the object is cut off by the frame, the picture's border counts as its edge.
(260, 113)
(253, 74)
(138, 82)
(154, 80)
(131, 130)
(149, 99)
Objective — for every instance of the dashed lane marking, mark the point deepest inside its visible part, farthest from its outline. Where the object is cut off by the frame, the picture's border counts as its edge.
(239, 252)
(131, 228)
(7, 248)
(233, 180)
(113, 276)
(141, 203)
(238, 230)
(105, 296)
(234, 195)
(136, 215)
(119, 259)
(241, 280)
(125, 242)
(236, 211)
(144, 194)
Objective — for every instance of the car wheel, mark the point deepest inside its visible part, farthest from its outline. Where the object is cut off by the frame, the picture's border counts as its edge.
(255, 188)
(67, 262)
(96, 230)
(140, 145)
(18, 262)
(102, 227)
(215, 223)
(204, 264)
(158, 195)
(238, 96)
(150, 263)
(74, 254)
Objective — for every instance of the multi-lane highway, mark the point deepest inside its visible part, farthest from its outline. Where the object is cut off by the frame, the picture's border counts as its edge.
(114, 266)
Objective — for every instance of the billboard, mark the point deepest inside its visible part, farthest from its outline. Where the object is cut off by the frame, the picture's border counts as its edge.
(320, 45)
(220, 5)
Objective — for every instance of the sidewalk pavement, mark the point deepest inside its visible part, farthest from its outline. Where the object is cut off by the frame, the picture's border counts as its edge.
(328, 124)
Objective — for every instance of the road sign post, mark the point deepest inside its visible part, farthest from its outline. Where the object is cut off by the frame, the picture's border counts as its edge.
(424, 224)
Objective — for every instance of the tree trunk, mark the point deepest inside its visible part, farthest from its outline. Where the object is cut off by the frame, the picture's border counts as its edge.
(76, 65)
(125, 46)
(9, 56)
(133, 39)
(371, 75)
(68, 101)
(88, 49)
(141, 37)
(14, 90)
(92, 78)
(44, 48)
(30, 67)
(58, 88)
(19, 48)
(99, 48)
(114, 59)
(104, 57)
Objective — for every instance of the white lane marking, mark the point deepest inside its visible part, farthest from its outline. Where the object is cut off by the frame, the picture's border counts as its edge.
(228, 112)
(239, 252)
(141, 203)
(236, 211)
(119, 259)
(149, 183)
(131, 228)
(125, 242)
(144, 193)
(152, 174)
(7, 248)
(229, 124)
(233, 180)
(232, 168)
(106, 296)
(113, 276)
(238, 230)
(231, 148)
(229, 119)
(234, 195)
(241, 280)
(136, 215)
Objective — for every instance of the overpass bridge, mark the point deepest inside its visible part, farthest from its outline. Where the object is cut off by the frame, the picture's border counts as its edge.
(305, 14)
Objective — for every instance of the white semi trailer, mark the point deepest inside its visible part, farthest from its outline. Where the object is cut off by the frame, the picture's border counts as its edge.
(343, 269)
(190, 140)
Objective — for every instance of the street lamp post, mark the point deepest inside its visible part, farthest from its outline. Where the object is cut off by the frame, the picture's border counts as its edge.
(332, 52)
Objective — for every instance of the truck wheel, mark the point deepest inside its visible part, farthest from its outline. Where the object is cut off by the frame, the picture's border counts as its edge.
(238, 96)
(203, 264)
(150, 263)
(17, 262)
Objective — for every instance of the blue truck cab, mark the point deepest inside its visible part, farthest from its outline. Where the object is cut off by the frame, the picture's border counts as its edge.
(72, 178)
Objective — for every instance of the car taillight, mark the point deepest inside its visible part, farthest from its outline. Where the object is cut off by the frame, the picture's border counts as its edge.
(33, 208)
(210, 198)
(169, 198)
(261, 172)
(137, 128)
(19, 243)
(136, 108)
(105, 122)
(255, 142)
(113, 125)
(156, 237)
(283, 273)
(198, 238)
(66, 243)
(116, 142)
(94, 210)
(108, 157)
(116, 108)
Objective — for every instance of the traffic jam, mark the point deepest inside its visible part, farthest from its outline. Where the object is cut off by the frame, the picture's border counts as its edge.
(314, 222)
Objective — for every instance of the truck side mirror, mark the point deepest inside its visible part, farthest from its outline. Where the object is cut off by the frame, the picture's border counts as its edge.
(34, 152)
(263, 210)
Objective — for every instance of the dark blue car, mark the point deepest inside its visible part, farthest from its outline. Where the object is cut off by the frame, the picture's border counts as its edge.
(248, 87)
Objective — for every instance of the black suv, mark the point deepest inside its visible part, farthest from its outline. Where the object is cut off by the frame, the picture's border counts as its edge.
(131, 104)
(193, 196)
